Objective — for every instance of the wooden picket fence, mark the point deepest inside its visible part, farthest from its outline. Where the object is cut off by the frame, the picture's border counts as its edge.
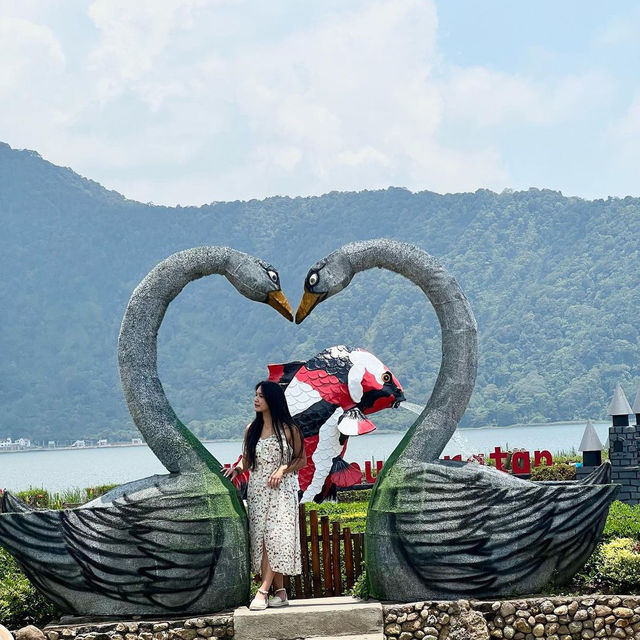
(331, 557)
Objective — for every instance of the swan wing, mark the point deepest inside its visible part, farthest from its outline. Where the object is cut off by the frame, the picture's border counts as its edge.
(36, 541)
(160, 551)
(466, 528)
(12, 504)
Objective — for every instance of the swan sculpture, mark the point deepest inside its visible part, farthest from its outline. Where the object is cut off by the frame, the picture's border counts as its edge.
(168, 543)
(439, 529)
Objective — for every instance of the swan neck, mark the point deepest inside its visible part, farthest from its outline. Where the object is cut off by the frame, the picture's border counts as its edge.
(173, 444)
(428, 435)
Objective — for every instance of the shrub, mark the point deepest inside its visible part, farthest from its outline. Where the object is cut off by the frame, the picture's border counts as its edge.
(619, 563)
(36, 497)
(349, 514)
(97, 491)
(623, 521)
(360, 587)
(554, 472)
(20, 603)
(354, 495)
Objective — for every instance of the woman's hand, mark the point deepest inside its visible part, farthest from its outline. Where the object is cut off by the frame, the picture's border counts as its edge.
(276, 477)
(229, 472)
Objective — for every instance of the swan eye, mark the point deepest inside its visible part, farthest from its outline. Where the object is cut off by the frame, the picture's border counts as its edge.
(386, 377)
(313, 279)
(273, 275)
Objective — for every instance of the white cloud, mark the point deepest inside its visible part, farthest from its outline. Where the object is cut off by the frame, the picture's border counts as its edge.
(490, 98)
(622, 137)
(30, 53)
(197, 100)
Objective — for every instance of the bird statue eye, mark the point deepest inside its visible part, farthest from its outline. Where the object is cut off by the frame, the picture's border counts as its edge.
(386, 377)
(313, 279)
(273, 275)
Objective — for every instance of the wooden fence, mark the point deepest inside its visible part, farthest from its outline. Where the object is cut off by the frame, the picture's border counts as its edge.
(331, 557)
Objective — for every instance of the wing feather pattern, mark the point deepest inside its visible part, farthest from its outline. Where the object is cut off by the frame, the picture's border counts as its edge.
(462, 531)
(160, 551)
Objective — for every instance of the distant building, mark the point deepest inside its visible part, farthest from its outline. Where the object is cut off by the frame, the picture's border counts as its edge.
(14, 445)
(51, 444)
(136, 440)
(103, 442)
(79, 444)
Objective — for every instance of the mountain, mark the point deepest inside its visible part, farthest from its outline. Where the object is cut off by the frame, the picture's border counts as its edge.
(553, 281)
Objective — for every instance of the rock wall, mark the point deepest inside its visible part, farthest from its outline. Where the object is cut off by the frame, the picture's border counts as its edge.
(220, 626)
(558, 618)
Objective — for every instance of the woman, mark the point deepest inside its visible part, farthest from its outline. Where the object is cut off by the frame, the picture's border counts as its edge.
(273, 451)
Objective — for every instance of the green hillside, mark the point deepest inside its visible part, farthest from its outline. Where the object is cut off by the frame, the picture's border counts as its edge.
(553, 281)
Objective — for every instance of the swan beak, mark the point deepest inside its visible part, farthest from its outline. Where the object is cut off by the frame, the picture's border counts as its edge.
(279, 302)
(307, 304)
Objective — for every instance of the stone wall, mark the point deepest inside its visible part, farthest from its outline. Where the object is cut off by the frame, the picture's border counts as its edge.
(217, 626)
(558, 618)
(624, 454)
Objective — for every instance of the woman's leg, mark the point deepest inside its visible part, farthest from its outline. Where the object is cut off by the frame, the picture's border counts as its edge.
(266, 573)
(278, 586)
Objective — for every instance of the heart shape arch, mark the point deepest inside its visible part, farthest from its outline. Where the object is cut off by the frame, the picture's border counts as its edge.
(452, 530)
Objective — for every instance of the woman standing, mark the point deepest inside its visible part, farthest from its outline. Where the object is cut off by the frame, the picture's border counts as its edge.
(273, 451)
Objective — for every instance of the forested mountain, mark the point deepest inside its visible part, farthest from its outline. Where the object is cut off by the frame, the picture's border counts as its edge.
(553, 281)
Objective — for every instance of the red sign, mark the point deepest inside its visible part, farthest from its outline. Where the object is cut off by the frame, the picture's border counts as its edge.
(520, 460)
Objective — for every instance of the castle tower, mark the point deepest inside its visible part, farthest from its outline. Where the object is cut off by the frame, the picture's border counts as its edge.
(591, 448)
(624, 440)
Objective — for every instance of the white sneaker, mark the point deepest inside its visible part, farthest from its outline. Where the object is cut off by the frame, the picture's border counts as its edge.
(277, 601)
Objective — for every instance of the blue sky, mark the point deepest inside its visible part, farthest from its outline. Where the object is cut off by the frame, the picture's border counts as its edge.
(193, 101)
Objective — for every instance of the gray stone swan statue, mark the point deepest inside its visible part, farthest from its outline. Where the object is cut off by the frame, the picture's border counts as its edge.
(168, 543)
(446, 530)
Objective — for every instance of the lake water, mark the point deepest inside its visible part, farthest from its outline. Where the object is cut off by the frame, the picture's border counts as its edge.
(69, 468)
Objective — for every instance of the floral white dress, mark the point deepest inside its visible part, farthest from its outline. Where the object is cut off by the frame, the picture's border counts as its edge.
(273, 513)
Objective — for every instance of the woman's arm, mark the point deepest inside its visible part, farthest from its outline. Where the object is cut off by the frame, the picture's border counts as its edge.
(299, 460)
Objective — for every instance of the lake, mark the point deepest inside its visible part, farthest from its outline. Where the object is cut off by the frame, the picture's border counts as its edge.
(69, 468)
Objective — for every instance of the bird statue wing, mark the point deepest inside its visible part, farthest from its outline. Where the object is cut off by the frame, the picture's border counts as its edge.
(455, 523)
(159, 551)
(12, 504)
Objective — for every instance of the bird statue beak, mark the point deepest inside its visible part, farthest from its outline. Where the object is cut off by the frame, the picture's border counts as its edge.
(279, 302)
(308, 302)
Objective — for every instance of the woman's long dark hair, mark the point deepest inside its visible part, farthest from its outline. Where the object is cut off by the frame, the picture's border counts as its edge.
(280, 417)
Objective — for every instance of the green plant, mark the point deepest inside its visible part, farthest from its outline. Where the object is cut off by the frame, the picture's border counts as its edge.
(562, 456)
(20, 603)
(354, 495)
(36, 497)
(619, 563)
(97, 491)
(560, 471)
(623, 521)
(348, 514)
(71, 496)
(360, 587)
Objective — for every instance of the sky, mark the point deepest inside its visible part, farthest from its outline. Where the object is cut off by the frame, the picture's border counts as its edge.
(195, 101)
